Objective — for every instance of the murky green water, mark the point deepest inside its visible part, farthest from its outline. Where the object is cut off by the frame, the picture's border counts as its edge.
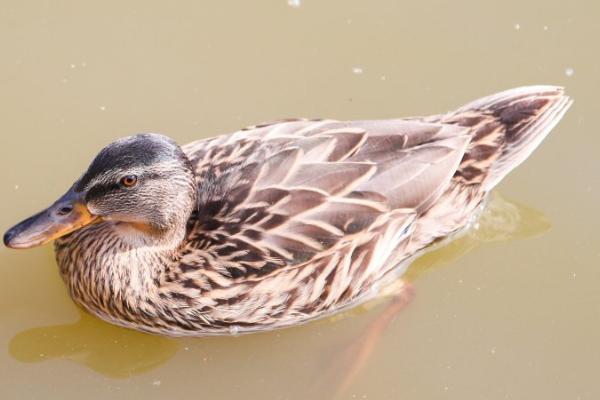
(509, 311)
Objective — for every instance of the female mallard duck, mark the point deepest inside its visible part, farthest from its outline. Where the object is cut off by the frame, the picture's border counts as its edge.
(279, 223)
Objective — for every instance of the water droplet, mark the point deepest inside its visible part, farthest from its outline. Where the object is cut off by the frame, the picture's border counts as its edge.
(569, 71)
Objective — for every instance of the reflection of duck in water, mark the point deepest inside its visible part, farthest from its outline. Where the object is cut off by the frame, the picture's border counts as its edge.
(279, 223)
(110, 350)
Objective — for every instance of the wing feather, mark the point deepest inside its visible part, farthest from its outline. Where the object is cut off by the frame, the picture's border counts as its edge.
(281, 195)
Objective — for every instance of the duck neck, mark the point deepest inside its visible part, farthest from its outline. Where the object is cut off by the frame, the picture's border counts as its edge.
(111, 266)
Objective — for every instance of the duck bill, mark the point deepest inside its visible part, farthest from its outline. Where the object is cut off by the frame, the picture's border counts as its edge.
(67, 214)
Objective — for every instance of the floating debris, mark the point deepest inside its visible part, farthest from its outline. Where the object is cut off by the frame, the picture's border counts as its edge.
(569, 71)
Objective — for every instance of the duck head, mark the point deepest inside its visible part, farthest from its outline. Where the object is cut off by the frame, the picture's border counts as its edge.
(144, 183)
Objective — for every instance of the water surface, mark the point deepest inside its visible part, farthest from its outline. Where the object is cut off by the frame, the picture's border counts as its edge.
(509, 311)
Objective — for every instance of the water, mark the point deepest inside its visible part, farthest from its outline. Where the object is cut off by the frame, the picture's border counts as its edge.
(509, 311)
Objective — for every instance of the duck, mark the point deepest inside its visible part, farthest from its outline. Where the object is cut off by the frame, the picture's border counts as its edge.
(279, 223)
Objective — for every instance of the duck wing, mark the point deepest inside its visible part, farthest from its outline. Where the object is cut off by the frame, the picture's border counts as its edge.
(284, 194)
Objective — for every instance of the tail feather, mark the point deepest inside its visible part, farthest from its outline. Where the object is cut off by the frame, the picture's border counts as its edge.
(506, 128)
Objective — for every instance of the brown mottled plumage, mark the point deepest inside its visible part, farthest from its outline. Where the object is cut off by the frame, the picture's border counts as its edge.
(279, 223)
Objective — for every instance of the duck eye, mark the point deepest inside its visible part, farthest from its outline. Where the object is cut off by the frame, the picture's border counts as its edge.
(129, 180)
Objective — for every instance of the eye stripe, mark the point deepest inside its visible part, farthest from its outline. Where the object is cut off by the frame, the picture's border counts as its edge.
(100, 190)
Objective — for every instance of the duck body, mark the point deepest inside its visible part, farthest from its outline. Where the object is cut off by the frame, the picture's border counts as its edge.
(294, 220)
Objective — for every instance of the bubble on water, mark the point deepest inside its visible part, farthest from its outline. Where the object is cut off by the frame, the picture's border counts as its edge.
(294, 3)
(569, 71)
(357, 70)
(517, 26)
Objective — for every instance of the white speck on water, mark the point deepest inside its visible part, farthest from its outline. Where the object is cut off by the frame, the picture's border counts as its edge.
(64, 80)
(294, 3)
(517, 26)
(73, 66)
(16, 187)
(234, 330)
(83, 64)
(42, 355)
(102, 108)
(545, 27)
(574, 275)
(383, 77)
(186, 348)
(460, 281)
(156, 383)
(349, 21)
(493, 351)
(357, 70)
(478, 289)
(569, 71)
(446, 388)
